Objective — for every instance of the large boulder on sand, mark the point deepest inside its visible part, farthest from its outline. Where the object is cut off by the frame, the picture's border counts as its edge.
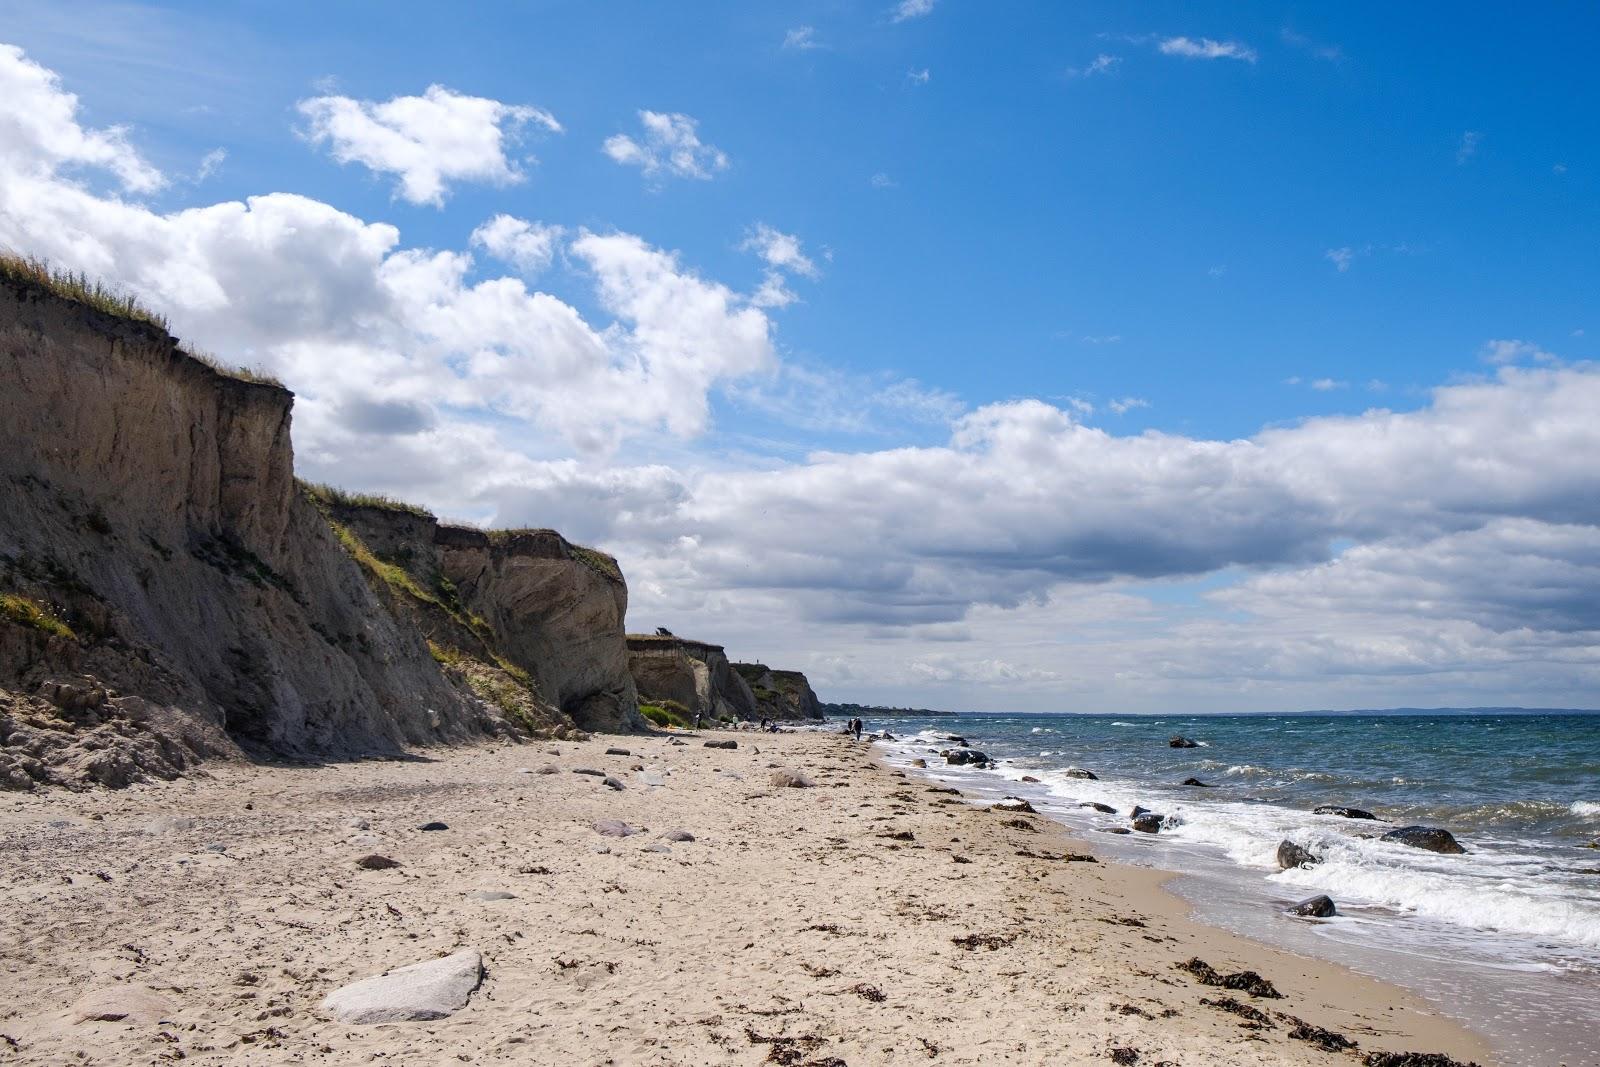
(1319, 907)
(430, 990)
(1429, 837)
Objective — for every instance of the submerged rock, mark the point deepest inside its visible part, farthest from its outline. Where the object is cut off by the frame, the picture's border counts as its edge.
(1293, 855)
(1182, 742)
(1197, 783)
(1114, 830)
(1343, 813)
(1428, 837)
(1104, 809)
(434, 989)
(1079, 772)
(1318, 907)
(1149, 823)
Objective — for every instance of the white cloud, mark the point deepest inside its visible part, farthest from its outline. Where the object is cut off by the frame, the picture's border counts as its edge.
(1468, 146)
(1328, 385)
(1330, 52)
(911, 9)
(39, 129)
(1126, 404)
(1206, 48)
(1341, 258)
(1514, 351)
(919, 77)
(427, 141)
(881, 180)
(529, 246)
(801, 38)
(1102, 339)
(1101, 64)
(210, 163)
(782, 251)
(671, 144)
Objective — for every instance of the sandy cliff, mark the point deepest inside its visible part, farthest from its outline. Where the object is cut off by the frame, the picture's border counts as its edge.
(780, 694)
(168, 592)
(693, 674)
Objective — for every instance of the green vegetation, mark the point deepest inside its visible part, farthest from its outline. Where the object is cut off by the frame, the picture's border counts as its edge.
(596, 561)
(31, 613)
(77, 287)
(668, 713)
(253, 375)
(333, 496)
(394, 577)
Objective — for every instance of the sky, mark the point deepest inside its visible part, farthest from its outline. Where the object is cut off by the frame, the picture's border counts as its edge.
(1011, 357)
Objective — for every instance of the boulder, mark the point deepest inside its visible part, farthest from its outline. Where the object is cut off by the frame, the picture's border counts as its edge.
(1104, 809)
(1318, 907)
(961, 757)
(1115, 830)
(1182, 742)
(611, 783)
(613, 828)
(1149, 823)
(376, 862)
(434, 989)
(1292, 855)
(121, 1003)
(1029, 778)
(678, 835)
(432, 826)
(618, 752)
(1198, 784)
(1079, 772)
(786, 778)
(1343, 813)
(722, 744)
(548, 768)
(1138, 810)
(1428, 837)
(919, 762)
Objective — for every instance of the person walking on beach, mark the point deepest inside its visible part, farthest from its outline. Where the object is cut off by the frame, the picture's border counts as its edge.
(855, 727)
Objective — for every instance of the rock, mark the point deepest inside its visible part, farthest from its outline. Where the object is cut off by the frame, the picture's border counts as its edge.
(961, 757)
(678, 835)
(618, 752)
(791, 779)
(1318, 907)
(1149, 823)
(1138, 810)
(919, 762)
(432, 826)
(1411, 1059)
(590, 771)
(122, 1003)
(1343, 813)
(492, 894)
(1292, 855)
(548, 768)
(1197, 783)
(1029, 778)
(376, 862)
(657, 847)
(611, 783)
(358, 824)
(1079, 772)
(1114, 830)
(722, 744)
(613, 828)
(1013, 804)
(1104, 809)
(1182, 742)
(1428, 837)
(431, 990)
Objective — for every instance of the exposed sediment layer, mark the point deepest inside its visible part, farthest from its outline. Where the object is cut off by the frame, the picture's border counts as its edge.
(692, 674)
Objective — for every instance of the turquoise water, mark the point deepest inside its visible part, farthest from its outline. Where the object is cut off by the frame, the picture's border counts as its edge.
(1519, 913)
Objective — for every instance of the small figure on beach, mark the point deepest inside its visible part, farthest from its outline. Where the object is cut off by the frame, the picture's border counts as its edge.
(855, 728)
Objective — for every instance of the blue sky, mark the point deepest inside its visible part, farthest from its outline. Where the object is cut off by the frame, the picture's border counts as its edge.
(1197, 222)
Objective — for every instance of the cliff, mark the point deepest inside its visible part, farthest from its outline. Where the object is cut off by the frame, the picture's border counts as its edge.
(780, 694)
(168, 592)
(672, 673)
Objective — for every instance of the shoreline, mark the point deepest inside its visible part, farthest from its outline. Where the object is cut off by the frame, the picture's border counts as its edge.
(831, 924)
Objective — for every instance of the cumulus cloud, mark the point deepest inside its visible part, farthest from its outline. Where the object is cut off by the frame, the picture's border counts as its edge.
(1513, 351)
(529, 246)
(1205, 48)
(670, 145)
(426, 141)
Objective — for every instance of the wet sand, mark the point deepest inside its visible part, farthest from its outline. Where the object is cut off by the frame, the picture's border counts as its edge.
(866, 919)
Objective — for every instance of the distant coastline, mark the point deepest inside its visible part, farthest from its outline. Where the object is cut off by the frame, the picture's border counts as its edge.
(877, 711)
(832, 710)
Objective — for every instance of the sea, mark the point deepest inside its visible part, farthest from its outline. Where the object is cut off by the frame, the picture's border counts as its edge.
(1505, 938)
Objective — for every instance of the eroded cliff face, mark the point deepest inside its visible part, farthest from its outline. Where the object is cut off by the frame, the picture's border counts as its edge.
(167, 591)
(693, 674)
(780, 694)
(558, 611)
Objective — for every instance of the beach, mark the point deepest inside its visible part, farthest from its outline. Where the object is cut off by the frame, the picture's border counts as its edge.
(866, 917)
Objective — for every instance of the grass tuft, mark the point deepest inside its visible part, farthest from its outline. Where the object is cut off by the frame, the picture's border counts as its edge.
(31, 613)
(333, 496)
(77, 287)
(667, 713)
(253, 375)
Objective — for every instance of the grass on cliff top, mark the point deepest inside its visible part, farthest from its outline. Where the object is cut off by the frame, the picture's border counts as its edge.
(334, 496)
(253, 375)
(78, 287)
(31, 613)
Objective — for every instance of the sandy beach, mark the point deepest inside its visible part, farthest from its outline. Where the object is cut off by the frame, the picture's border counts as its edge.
(869, 918)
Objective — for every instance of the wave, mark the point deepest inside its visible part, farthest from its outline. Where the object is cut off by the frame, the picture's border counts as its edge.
(1585, 809)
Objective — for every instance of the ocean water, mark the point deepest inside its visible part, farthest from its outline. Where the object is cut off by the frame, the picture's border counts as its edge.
(1505, 937)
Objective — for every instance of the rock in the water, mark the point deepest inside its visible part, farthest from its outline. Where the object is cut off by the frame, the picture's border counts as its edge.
(611, 783)
(431, 990)
(960, 757)
(919, 762)
(1079, 772)
(1182, 742)
(1138, 810)
(1318, 907)
(376, 862)
(1343, 813)
(492, 894)
(1114, 830)
(1197, 783)
(618, 752)
(613, 828)
(722, 744)
(1014, 804)
(1292, 855)
(1104, 809)
(1429, 837)
(433, 826)
(678, 835)
(1149, 823)
(1030, 778)
(122, 1003)
(791, 779)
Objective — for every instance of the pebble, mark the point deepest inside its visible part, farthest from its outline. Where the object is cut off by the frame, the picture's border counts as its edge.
(433, 826)
(611, 783)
